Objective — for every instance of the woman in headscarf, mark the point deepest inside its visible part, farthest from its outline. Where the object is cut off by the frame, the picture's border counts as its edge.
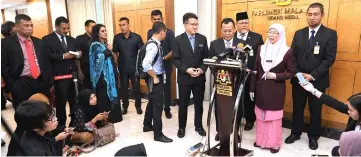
(350, 143)
(86, 117)
(103, 74)
(274, 63)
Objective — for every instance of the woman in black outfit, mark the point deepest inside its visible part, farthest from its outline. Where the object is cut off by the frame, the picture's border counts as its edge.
(103, 74)
(352, 108)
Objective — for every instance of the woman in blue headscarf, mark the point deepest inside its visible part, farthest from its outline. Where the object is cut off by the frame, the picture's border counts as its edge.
(103, 74)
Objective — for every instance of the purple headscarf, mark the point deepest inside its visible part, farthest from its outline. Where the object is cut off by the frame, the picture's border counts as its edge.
(350, 143)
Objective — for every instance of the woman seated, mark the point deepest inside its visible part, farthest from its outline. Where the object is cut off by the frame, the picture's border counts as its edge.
(38, 120)
(86, 117)
(352, 108)
(350, 144)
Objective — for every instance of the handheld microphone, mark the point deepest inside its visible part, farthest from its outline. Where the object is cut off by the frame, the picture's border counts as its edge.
(239, 50)
(75, 80)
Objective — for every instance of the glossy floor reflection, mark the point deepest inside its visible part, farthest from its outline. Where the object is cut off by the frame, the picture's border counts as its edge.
(130, 130)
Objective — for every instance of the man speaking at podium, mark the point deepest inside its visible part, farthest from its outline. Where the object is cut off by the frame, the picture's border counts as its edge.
(255, 40)
(218, 46)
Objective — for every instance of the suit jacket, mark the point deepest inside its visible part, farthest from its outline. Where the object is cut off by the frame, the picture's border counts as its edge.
(184, 57)
(255, 40)
(60, 66)
(317, 65)
(12, 60)
(56, 50)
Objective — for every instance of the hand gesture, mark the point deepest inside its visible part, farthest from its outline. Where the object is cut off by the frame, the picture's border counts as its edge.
(155, 80)
(61, 136)
(308, 77)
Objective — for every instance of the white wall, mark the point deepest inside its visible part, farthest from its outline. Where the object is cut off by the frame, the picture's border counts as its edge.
(10, 14)
(57, 8)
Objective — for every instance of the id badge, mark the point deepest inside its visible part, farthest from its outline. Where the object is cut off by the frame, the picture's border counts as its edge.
(164, 78)
(316, 49)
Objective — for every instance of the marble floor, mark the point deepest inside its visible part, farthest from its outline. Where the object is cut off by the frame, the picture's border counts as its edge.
(130, 130)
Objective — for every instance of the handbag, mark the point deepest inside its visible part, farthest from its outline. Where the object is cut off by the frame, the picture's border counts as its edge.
(102, 136)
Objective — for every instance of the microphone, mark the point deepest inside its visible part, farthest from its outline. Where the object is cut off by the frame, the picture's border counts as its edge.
(75, 80)
(239, 50)
(227, 53)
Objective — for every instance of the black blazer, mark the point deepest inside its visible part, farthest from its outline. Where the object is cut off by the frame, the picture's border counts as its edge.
(56, 50)
(340, 107)
(12, 60)
(317, 65)
(255, 40)
(184, 57)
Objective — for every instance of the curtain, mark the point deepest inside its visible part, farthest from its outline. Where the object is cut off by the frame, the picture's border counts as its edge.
(78, 12)
(107, 16)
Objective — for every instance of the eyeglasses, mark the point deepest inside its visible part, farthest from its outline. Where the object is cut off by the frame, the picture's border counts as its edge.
(193, 24)
(273, 33)
(53, 119)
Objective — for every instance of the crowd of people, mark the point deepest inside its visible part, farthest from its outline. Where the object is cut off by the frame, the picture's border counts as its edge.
(32, 66)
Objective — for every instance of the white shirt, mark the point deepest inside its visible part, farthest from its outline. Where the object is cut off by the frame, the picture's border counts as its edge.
(230, 41)
(59, 36)
(244, 37)
(316, 30)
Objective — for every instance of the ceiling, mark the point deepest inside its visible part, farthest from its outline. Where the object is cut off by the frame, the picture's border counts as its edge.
(11, 3)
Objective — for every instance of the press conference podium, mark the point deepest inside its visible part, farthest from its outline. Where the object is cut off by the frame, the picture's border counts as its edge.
(227, 91)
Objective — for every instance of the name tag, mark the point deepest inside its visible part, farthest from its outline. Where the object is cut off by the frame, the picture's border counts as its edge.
(269, 61)
(316, 49)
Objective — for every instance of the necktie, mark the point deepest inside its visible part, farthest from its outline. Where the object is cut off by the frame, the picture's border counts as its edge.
(34, 71)
(311, 39)
(63, 43)
(191, 39)
(228, 44)
(241, 36)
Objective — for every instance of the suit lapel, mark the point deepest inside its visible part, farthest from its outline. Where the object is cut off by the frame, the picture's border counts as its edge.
(18, 48)
(305, 39)
(188, 43)
(318, 35)
(55, 36)
(249, 36)
(220, 44)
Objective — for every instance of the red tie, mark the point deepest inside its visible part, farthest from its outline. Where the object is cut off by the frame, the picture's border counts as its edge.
(34, 71)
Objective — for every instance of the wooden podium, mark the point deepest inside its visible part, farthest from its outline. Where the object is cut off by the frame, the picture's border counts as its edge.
(227, 92)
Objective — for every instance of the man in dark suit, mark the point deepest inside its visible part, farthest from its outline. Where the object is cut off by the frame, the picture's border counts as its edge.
(25, 67)
(218, 46)
(156, 16)
(59, 45)
(83, 44)
(125, 47)
(314, 50)
(189, 50)
(255, 40)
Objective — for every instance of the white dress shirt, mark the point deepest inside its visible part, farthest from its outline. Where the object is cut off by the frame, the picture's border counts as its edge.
(225, 43)
(244, 37)
(316, 30)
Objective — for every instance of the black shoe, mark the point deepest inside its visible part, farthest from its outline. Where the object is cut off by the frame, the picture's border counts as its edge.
(292, 138)
(255, 145)
(147, 128)
(217, 137)
(181, 133)
(163, 139)
(201, 131)
(312, 144)
(168, 114)
(139, 111)
(274, 150)
(248, 126)
(125, 111)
